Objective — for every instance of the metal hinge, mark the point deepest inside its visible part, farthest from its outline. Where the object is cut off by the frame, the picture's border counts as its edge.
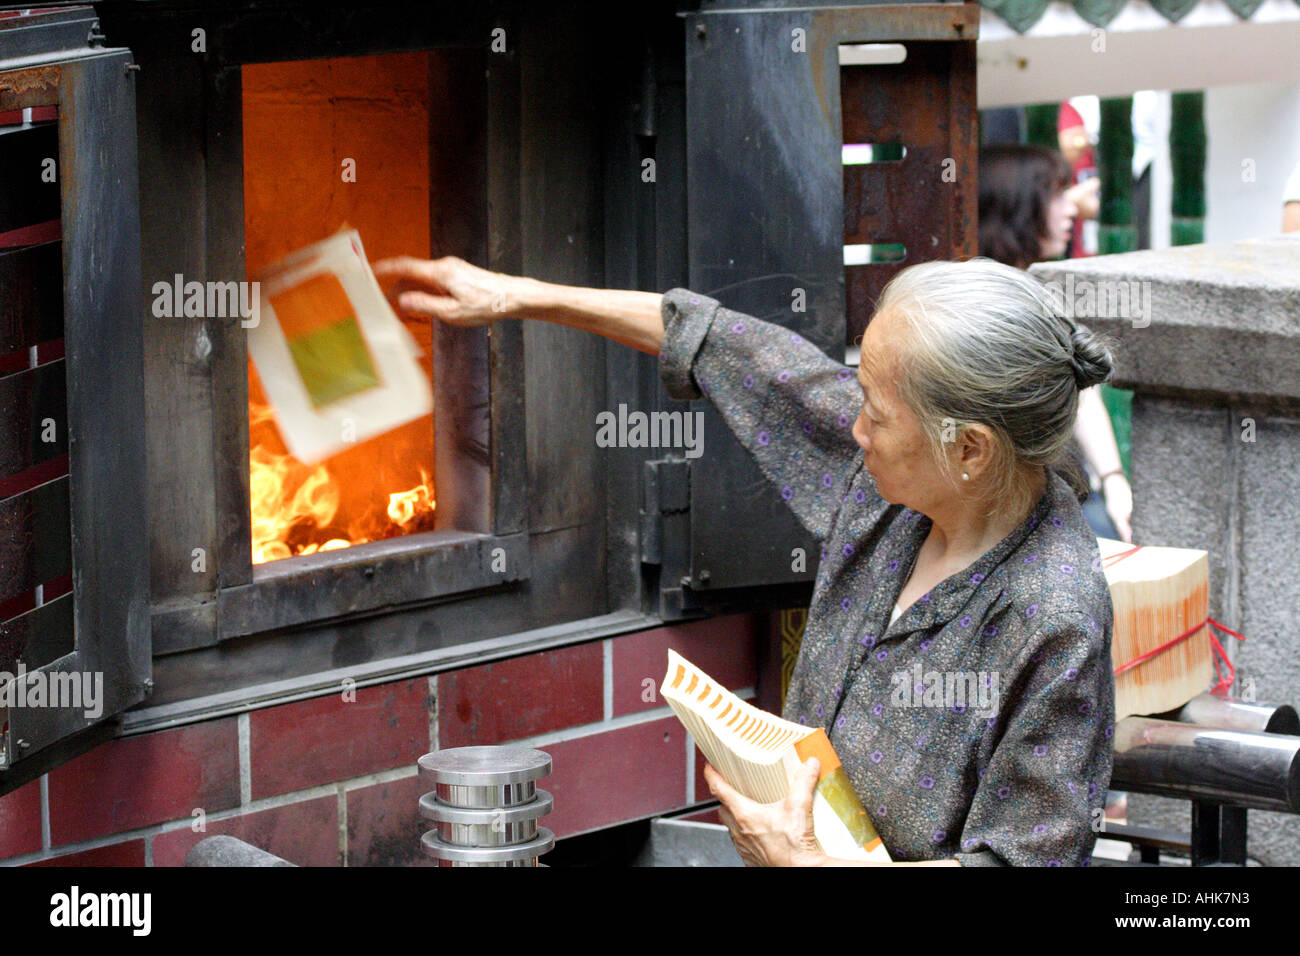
(665, 509)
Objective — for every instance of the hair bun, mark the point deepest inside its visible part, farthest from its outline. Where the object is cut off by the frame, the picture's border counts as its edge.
(1090, 358)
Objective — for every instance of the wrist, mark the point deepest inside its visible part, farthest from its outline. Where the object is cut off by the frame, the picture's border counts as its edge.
(526, 297)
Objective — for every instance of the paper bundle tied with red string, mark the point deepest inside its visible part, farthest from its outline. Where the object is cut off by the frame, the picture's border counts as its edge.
(1164, 649)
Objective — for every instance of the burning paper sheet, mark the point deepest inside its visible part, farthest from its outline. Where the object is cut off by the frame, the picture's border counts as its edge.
(335, 361)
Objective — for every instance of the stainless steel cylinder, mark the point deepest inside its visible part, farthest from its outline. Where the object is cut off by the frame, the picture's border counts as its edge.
(488, 827)
(1169, 758)
(520, 854)
(485, 777)
(1228, 713)
(486, 805)
(487, 798)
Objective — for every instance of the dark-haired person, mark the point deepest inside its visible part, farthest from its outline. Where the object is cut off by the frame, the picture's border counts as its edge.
(1027, 207)
(950, 542)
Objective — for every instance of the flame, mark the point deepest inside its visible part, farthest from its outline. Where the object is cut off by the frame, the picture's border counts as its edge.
(295, 507)
(403, 506)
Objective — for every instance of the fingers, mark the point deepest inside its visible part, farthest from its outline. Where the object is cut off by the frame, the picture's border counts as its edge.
(801, 794)
(423, 273)
(401, 267)
(422, 303)
(719, 787)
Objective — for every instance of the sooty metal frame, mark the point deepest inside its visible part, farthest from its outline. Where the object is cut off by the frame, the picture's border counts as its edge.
(527, 490)
(192, 208)
(91, 522)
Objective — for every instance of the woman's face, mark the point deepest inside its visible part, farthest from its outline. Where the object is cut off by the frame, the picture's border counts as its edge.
(1060, 226)
(897, 451)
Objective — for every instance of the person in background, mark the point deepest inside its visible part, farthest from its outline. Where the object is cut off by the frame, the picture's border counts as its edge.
(1078, 126)
(1291, 202)
(1076, 146)
(1027, 207)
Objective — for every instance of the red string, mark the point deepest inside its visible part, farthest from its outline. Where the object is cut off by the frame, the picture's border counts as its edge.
(1219, 653)
(1115, 559)
(1224, 683)
(1217, 648)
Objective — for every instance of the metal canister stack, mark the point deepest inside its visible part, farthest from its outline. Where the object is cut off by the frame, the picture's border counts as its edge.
(485, 806)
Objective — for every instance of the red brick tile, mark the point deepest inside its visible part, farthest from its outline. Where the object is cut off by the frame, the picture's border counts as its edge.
(135, 781)
(722, 647)
(616, 775)
(20, 820)
(327, 739)
(126, 853)
(384, 824)
(522, 696)
(305, 833)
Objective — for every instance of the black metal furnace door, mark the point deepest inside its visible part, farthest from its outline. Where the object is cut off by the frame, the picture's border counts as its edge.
(74, 581)
(767, 215)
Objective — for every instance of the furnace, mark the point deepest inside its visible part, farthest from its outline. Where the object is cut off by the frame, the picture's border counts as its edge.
(330, 143)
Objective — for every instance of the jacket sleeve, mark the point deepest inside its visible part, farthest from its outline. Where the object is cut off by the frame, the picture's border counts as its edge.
(1042, 794)
(789, 404)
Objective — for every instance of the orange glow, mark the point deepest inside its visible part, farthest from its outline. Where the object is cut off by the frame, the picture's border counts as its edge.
(296, 508)
(305, 124)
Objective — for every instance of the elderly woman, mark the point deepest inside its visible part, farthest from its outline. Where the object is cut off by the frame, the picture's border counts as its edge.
(950, 546)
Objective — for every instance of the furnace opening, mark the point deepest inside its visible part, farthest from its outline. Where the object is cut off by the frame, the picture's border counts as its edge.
(332, 144)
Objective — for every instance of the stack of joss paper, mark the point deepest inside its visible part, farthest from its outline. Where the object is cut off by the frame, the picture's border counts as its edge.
(760, 755)
(1162, 647)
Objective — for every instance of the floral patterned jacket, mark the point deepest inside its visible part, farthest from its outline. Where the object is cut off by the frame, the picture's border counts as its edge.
(978, 724)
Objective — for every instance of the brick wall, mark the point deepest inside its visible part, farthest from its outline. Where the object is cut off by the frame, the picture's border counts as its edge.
(330, 782)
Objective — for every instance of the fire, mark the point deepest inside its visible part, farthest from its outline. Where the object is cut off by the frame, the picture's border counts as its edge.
(296, 507)
(403, 506)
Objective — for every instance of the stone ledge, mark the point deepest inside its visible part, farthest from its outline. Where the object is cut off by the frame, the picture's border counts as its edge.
(1221, 322)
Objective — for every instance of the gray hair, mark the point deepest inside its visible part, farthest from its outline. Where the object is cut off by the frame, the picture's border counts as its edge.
(988, 346)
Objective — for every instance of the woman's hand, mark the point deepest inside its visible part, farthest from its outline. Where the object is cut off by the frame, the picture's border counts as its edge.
(448, 289)
(1086, 198)
(1119, 504)
(771, 834)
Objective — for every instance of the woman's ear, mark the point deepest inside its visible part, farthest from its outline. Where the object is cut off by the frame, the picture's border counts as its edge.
(976, 449)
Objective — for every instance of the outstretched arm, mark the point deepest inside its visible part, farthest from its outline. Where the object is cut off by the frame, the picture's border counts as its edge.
(786, 401)
(454, 291)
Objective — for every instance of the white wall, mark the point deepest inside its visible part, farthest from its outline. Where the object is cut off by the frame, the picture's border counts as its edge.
(1260, 123)
(1250, 72)
(1063, 55)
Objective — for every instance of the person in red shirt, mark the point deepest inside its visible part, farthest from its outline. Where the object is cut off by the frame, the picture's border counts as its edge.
(1072, 136)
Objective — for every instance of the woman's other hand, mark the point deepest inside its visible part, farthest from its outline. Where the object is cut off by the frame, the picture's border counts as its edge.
(448, 289)
(1118, 496)
(771, 834)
